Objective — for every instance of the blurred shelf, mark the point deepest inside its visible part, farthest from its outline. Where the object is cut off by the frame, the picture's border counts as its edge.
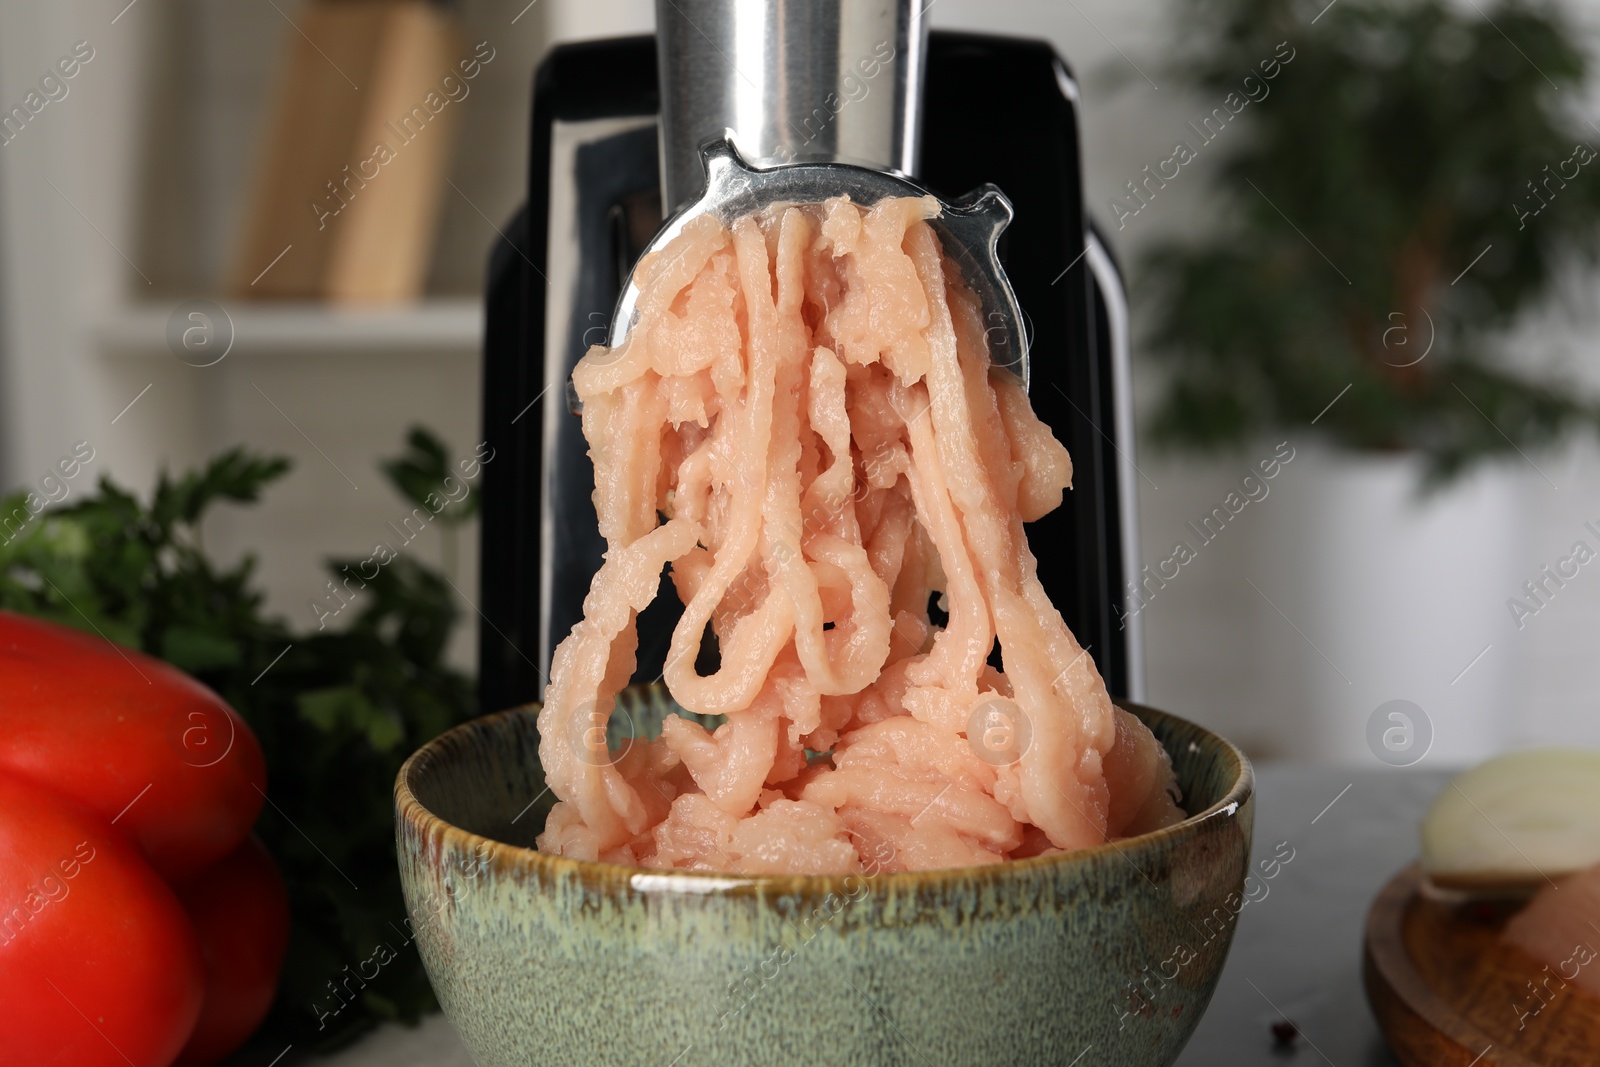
(450, 326)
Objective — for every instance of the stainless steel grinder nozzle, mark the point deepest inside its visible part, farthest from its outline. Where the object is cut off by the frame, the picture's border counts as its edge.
(790, 81)
(969, 230)
(775, 101)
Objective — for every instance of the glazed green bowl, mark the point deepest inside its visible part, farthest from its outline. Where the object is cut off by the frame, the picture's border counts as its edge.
(1106, 956)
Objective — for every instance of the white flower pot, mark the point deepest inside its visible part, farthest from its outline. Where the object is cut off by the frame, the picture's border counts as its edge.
(1372, 593)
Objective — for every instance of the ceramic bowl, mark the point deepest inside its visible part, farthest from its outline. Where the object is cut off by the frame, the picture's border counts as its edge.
(1107, 955)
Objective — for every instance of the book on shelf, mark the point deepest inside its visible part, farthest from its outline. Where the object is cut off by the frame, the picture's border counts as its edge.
(346, 197)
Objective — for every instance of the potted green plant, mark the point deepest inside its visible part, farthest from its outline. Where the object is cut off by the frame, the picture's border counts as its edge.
(1405, 191)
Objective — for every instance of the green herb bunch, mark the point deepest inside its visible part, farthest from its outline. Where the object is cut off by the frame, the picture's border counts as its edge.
(1414, 183)
(336, 711)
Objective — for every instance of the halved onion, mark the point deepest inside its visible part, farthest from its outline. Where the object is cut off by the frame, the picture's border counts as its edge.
(1511, 823)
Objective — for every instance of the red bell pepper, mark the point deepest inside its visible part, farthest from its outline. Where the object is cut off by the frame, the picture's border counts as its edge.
(139, 922)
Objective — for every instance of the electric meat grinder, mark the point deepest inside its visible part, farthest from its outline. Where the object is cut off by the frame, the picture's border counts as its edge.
(617, 138)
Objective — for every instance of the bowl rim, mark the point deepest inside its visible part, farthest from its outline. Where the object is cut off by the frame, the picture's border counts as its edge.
(426, 824)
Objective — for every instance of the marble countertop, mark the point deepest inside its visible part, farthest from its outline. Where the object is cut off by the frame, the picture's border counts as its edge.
(1297, 953)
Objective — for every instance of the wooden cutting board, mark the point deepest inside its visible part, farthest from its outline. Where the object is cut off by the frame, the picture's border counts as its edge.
(1448, 993)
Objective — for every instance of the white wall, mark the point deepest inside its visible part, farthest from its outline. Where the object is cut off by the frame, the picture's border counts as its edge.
(66, 214)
